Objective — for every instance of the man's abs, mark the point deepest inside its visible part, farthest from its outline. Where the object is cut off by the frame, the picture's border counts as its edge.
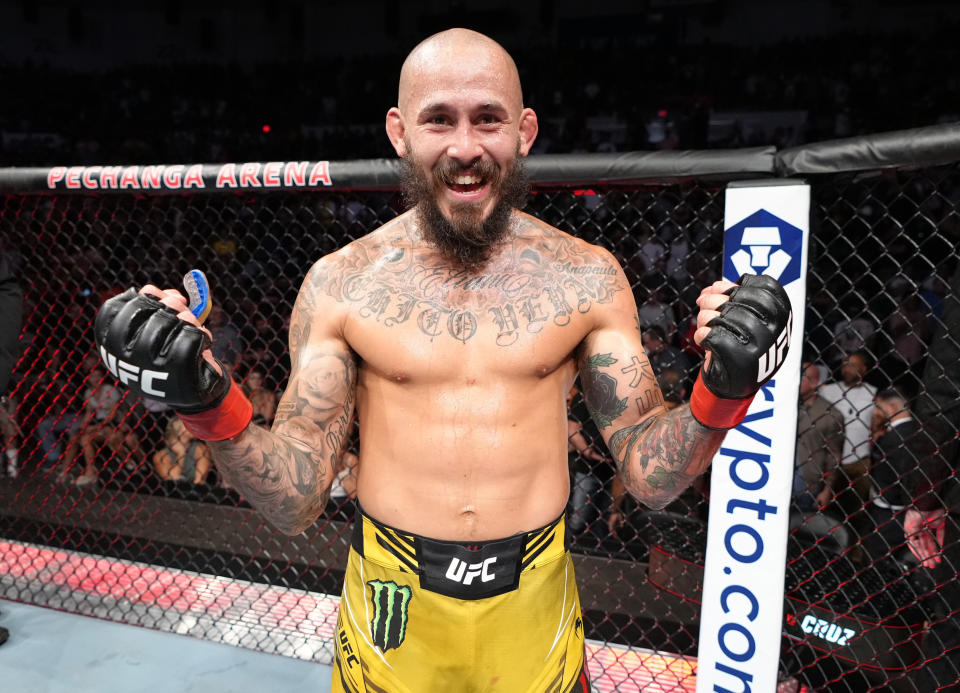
(462, 464)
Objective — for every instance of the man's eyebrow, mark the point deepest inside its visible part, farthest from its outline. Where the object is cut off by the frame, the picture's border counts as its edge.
(433, 108)
(493, 106)
(443, 107)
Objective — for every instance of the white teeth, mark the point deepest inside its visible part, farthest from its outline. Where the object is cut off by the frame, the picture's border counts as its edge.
(466, 180)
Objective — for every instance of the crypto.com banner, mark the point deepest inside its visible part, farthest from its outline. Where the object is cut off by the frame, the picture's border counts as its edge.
(767, 224)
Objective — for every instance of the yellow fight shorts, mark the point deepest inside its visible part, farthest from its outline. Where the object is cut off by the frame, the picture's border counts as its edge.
(419, 615)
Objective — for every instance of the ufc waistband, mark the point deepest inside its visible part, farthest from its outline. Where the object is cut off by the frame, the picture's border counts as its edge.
(463, 570)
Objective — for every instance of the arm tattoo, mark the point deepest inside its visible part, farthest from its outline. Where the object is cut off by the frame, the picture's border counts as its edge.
(600, 391)
(676, 445)
(660, 454)
(286, 473)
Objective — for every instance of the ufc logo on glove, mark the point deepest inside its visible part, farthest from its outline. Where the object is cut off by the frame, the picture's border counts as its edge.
(776, 354)
(129, 374)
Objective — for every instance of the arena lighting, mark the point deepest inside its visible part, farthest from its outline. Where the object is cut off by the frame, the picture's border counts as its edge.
(265, 128)
(662, 113)
(241, 613)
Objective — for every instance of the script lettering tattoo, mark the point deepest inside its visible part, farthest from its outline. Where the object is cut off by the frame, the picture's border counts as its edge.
(429, 322)
(532, 312)
(561, 309)
(376, 304)
(541, 276)
(285, 473)
(404, 311)
(462, 325)
(505, 318)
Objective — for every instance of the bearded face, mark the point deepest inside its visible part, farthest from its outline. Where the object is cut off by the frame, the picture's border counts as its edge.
(463, 236)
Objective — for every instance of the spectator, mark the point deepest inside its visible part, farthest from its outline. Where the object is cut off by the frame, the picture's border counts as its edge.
(654, 311)
(932, 491)
(905, 336)
(344, 488)
(101, 424)
(57, 396)
(264, 347)
(11, 435)
(908, 326)
(892, 459)
(854, 399)
(589, 469)
(673, 385)
(664, 357)
(678, 240)
(152, 422)
(819, 444)
(227, 342)
(184, 458)
(654, 253)
(264, 401)
(853, 334)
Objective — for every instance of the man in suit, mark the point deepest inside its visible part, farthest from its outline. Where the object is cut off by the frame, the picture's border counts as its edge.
(819, 444)
(932, 520)
(893, 459)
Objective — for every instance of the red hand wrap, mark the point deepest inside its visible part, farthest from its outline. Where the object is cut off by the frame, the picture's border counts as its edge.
(716, 412)
(226, 420)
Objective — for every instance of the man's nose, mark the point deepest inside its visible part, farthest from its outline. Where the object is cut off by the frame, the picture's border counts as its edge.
(464, 145)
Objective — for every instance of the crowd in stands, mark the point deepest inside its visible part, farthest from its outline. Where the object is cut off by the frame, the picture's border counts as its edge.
(598, 95)
(85, 430)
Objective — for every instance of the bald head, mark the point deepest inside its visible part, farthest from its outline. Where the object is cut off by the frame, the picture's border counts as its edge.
(461, 128)
(463, 55)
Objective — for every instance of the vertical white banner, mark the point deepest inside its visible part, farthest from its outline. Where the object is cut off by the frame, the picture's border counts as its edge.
(766, 229)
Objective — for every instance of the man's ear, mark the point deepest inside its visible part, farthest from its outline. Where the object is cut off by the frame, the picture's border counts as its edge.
(395, 130)
(528, 130)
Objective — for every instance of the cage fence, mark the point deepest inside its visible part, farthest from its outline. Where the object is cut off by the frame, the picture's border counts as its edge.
(111, 509)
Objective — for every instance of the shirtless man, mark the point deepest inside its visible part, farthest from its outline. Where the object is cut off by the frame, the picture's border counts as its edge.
(456, 331)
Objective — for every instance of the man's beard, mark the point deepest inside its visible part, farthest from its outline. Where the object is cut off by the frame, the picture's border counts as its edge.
(466, 240)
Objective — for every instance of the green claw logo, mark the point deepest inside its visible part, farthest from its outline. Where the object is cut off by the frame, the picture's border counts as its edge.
(388, 627)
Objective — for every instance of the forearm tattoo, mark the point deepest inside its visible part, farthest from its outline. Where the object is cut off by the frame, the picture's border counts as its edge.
(285, 484)
(661, 454)
(659, 463)
(285, 473)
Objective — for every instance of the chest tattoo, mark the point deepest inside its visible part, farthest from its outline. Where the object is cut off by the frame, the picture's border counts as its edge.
(519, 294)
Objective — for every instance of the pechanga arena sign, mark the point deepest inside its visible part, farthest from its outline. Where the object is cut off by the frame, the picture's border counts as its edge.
(766, 231)
(244, 176)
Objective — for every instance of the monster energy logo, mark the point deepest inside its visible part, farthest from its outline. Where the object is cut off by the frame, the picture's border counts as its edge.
(388, 626)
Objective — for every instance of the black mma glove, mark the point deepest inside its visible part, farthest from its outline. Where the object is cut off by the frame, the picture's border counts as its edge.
(749, 342)
(156, 354)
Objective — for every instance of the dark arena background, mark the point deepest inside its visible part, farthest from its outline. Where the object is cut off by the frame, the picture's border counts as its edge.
(131, 157)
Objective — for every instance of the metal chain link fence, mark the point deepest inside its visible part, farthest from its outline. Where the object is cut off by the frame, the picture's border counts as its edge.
(108, 508)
